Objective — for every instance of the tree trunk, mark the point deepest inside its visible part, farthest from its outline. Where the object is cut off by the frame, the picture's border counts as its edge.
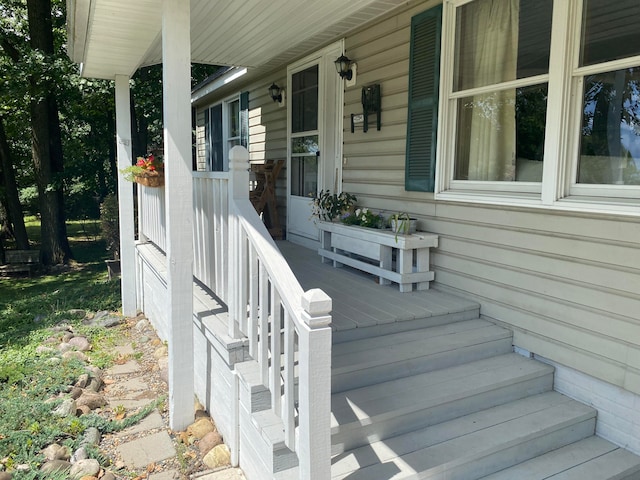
(12, 199)
(47, 143)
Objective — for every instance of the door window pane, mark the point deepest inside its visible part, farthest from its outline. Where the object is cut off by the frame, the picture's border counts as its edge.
(610, 135)
(304, 100)
(610, 30)
(304, 176)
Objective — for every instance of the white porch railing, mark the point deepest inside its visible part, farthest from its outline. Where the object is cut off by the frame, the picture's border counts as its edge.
(211, 231)
(287, 328)
(152, 216)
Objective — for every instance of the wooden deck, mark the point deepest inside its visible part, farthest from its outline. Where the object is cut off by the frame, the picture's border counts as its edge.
(358, 300)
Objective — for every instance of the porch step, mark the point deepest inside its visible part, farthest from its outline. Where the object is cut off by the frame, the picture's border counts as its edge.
(379, 359)
(589, 459)
(396, 407)
(474, 445)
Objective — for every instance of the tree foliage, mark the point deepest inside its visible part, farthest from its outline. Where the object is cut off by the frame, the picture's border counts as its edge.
(85, 108)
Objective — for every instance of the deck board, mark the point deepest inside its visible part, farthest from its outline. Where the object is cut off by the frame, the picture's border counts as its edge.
(358, 300)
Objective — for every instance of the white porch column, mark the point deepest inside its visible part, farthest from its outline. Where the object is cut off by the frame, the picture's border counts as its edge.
(125, 198)
(176, 80)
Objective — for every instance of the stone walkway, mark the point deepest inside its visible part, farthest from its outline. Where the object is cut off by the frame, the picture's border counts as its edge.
(150, 449)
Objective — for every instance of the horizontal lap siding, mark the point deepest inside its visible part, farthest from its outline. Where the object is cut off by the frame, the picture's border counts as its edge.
(568, 284)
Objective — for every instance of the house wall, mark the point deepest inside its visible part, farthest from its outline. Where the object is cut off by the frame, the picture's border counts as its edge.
(267, 129)
(566, 283)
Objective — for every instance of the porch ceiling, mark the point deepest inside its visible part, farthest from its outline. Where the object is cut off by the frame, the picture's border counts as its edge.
(116, 37)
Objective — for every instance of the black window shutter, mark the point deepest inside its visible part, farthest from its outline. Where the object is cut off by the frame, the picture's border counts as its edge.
(244, 119)
(422, 121)
(207, 138)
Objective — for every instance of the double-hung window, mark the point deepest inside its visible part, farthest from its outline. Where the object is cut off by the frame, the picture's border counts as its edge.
(225, 126)
(540, 101)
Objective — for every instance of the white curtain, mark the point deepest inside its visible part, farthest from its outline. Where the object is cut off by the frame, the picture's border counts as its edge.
(492, 34)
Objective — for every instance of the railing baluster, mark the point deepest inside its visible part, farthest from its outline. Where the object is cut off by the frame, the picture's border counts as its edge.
(288, 417)
(253, 303)
(243, 283)
(276, 351)
(264, 326)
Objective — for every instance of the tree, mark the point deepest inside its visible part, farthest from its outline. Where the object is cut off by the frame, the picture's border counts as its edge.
(46, 141)
(9, 190)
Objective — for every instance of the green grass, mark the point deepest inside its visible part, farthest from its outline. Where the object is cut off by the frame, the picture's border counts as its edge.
(29, 307)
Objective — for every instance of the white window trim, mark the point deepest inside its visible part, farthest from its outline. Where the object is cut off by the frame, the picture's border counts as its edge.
(558, 189)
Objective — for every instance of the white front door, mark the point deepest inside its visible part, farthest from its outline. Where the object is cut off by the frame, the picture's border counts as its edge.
(314, 97)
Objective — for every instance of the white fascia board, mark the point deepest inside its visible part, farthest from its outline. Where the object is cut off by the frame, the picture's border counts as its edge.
(79, 12)
(219, 82)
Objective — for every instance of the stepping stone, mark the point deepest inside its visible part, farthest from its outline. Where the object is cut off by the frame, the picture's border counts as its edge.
(168, 475)
(150, 422)
(143, 451)
(130, 367)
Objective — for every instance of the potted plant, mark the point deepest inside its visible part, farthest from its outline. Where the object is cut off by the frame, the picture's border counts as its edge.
(402, 223)
(148, 171)
(328, 206)
(363, 217)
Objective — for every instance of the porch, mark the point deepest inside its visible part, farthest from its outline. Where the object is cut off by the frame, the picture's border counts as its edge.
(398, 385)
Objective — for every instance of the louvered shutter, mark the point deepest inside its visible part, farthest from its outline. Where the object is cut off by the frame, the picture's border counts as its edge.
(422, 122)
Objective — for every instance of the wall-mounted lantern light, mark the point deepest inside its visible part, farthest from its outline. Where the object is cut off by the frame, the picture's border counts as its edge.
(275, 92)
(343, 66)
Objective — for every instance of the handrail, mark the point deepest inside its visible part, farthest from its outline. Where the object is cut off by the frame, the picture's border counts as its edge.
(285, 325)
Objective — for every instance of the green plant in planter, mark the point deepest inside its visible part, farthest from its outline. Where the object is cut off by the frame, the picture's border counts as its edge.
(327, 206)
(401, 223)
(364, 218)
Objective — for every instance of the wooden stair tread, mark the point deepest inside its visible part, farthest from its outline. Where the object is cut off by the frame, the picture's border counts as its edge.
(469, 443)
(592, 458)
(420, 392)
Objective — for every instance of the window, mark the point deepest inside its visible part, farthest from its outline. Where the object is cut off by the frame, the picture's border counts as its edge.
(532, 117)
(225, 125)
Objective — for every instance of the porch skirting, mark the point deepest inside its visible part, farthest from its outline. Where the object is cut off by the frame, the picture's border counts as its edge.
(215, 354)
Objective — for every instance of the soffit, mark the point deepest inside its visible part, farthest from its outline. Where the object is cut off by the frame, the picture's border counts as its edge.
(122, 35)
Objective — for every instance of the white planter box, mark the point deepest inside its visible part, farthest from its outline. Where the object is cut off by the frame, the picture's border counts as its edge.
(343, 244)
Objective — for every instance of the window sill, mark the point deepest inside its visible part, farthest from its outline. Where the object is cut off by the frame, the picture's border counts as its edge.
(576, 204)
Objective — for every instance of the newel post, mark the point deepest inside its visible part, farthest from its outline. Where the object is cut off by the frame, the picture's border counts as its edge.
(314, 446)
(238, 191)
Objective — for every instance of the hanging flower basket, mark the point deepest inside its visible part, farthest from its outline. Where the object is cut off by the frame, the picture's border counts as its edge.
(150, 179)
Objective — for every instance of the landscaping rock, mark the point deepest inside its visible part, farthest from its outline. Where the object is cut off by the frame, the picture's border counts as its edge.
(91, 436)
(89, 477)
(75, 354)
(77, 313)
(102, 319)
(106, 476)
(43, 350)
(161, 352)
(82, 410)
(56, 466)
(142, 325)
(209, 441)
(66, 408)
(200, 428)
(220, 456)
(163, 364)
(65, 347)
(91, 399)
(81, 343)
(94, 384)
(56, 452)
(66, 337)
(79, 454)
(5, 476)
(83, 380)
(75, 393)
(87, 467)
